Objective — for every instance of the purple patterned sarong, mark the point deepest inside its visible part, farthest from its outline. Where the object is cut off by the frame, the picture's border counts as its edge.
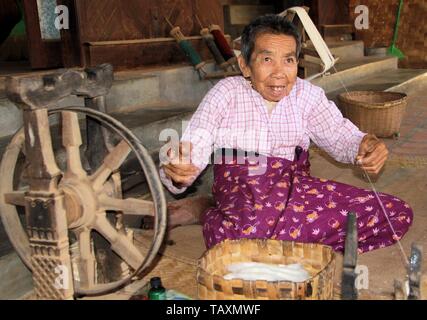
(286, 203)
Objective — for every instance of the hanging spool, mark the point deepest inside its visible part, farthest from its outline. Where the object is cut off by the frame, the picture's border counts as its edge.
(188, 49)
(210, 42)
(222, 44)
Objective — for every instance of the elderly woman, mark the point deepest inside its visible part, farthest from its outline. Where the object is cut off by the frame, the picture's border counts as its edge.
(271, 112)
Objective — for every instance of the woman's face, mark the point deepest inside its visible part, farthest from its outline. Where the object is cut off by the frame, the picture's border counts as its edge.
(274, 66)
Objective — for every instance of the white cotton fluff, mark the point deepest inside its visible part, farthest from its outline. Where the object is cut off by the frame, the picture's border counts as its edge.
(267, 272)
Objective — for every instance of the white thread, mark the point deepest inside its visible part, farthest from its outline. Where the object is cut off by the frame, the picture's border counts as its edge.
(385, 213)
(375, 191)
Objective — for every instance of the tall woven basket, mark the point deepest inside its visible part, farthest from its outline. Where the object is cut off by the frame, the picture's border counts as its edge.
(376, 112)
(318, 260)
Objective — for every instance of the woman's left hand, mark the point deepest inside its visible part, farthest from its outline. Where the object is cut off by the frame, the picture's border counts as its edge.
(372, 154)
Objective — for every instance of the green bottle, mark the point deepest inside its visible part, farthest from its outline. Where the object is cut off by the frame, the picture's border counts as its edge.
(157, 292)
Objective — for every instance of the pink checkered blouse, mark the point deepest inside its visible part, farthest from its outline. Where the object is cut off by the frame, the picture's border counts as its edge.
(234, 115)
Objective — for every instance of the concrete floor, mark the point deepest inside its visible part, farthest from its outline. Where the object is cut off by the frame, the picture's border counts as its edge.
(404, 176)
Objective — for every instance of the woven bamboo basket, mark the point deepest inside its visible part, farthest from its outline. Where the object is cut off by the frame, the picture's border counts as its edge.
(318, 260)
(376, 112)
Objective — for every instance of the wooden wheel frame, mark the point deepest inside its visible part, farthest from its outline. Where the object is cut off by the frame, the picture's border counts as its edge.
(87, 201)
(58, 202)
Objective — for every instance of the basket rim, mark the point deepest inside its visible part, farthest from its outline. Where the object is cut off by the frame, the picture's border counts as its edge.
(346, 98)
(327, 265)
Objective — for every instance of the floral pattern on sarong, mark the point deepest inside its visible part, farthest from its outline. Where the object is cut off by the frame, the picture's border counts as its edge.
(286, 203)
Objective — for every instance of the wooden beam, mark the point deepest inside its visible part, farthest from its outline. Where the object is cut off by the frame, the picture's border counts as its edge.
(142, 52)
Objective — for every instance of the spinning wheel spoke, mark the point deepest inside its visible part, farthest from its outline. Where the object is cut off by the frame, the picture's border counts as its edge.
(130, 206)
(87, 262)
(112, 162)
(16, 198)
(120, 244)
(72, 140)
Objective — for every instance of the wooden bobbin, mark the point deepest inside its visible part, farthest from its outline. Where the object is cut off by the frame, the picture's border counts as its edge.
(177, 34)
(200, 65)
(216, 53)
(232, 62)
(221, 41)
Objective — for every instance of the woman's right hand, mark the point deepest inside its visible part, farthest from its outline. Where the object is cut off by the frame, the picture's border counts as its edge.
(180, 169)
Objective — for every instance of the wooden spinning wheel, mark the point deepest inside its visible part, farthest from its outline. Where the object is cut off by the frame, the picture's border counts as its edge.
(72, 203)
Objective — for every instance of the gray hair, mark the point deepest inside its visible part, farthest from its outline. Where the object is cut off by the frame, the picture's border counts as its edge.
(269, 23)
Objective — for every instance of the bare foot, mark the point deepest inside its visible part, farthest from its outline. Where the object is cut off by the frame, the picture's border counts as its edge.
(187, 211)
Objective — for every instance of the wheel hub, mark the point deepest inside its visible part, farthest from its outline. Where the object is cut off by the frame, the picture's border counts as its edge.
(81, 203)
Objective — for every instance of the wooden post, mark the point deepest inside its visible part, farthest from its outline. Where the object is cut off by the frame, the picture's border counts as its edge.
(45, 213)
